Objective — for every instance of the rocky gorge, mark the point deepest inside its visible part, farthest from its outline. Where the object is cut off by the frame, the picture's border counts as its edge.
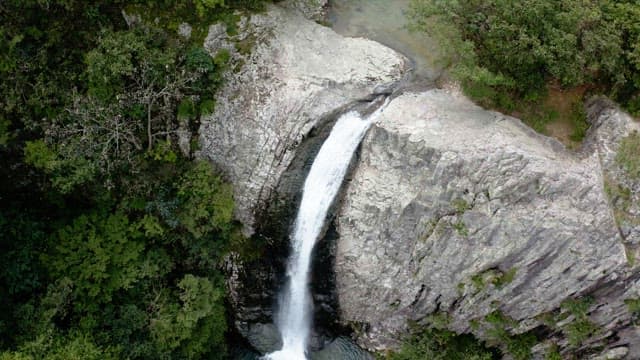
(452, 215)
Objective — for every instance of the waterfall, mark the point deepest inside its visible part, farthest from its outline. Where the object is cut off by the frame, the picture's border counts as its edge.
(320, 189)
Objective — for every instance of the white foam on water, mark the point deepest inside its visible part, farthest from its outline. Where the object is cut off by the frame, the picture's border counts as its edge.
(320, 188)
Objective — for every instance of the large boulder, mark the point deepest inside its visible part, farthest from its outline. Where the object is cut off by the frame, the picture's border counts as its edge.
(290, 76)
(460, 213)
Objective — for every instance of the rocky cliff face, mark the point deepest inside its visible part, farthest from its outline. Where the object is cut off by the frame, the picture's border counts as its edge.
(290, 78)
(454, 215)
(291, 75)
(466, 215)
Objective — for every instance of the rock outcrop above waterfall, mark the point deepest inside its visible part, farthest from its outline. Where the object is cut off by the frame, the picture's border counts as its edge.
(452, 212)
(290, 75)
(456, 212)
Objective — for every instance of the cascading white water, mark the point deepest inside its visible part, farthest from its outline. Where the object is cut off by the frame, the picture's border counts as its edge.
(320, 188)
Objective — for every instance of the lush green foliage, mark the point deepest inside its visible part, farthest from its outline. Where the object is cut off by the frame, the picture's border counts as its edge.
(518, 346)
(628, 155)
(130, 272)
(581, 328)
(110, 239)
(442, 345)
(633, 306)
(506, 49)
(553, 353)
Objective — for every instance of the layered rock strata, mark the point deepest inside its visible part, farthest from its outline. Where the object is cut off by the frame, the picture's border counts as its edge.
(458, 212)
(291, 75)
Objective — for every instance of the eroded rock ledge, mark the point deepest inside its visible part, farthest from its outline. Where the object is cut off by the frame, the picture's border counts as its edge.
(295, 76)
(460, 213)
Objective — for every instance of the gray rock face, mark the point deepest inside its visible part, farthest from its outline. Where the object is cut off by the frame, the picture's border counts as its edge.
(311, 9)
(613, 354)
(609, 128)
(264, 338)
(343, 349)
(296, 76)
(460, 210)
(451, 209)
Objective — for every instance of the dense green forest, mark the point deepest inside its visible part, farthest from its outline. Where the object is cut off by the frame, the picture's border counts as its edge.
(528, 57)
(110, 237)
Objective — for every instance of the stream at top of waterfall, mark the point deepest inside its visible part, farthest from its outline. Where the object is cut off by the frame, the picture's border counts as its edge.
(387, 22)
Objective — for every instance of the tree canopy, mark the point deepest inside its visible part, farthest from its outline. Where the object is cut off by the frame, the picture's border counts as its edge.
(111, 236)
(512, 48)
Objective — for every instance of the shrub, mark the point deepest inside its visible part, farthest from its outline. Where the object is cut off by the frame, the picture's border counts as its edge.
(581, 328)
(628, 155)
(516, 47)
(442, 345)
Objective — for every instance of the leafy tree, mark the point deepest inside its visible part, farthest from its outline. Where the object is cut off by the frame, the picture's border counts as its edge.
(207, 202)
(101, 255)
(74, 347)
(110, 239)
(436, 344)
(516, 47)
(66, 173)
(207, 5)
(195, 326)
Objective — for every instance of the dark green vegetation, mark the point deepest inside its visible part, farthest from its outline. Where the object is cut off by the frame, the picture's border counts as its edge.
(110, 238)
(437, 344)
(620, 195)
(519, 345)
(581, 328)
(627, 155)
(573, 321)
(538, 58)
